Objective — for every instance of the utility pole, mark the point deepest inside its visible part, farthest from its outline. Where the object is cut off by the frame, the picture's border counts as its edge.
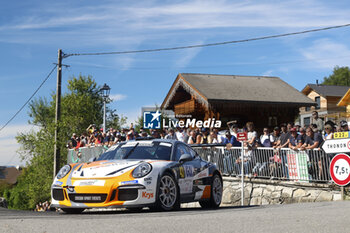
(56, 163)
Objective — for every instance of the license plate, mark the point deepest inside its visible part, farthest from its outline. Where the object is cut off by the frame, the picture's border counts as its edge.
(88, 198)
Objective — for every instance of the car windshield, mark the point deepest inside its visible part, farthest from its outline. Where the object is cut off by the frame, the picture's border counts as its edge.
(139, 150)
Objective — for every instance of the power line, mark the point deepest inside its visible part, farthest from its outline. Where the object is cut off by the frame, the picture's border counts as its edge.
(210, 44)
(210, 65)
(47, 77)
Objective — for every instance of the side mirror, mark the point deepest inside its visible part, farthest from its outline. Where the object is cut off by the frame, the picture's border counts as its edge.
(185, 158)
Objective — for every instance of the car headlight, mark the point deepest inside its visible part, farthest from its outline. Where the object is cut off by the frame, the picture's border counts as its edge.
(63, 172)
(142, 170)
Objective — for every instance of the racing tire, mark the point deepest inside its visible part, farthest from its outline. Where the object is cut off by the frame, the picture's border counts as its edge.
(168, 195)
(73, 210)
(215, 194)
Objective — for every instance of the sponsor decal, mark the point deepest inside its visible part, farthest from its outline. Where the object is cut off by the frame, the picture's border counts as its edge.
(58, 183)
(182, 172)
(147, 195)
(185, 185)
(130, 182)
(151, 120)
(202, 174)
(148, 180)
(89, 183)
(189, 171)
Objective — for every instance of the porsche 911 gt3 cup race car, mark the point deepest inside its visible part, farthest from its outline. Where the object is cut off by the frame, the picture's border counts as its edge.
(155, 173)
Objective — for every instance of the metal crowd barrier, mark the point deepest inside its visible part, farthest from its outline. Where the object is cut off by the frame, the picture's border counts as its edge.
(269, 163)
(261, 162)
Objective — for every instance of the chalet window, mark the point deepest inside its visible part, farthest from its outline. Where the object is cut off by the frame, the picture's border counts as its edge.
(318, 102)
(307, 109)
(306, 121)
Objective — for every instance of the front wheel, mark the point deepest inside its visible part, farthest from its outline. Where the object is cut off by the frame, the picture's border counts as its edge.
(73, 210)
(168, 193)
(215, 194)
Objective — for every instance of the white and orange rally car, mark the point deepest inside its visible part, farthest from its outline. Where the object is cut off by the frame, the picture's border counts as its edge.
(155, 173)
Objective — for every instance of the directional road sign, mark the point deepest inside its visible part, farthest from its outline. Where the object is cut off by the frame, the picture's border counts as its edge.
(336, 145)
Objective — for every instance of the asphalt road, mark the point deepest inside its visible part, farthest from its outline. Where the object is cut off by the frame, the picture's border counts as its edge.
(306, 217)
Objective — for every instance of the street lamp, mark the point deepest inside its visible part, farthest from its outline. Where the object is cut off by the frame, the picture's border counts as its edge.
(105, 93)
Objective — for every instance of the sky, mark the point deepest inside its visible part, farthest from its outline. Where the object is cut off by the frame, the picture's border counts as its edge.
(31, 32)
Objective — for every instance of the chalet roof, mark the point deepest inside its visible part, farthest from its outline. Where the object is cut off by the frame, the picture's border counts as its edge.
(326, 90)
(213, 87)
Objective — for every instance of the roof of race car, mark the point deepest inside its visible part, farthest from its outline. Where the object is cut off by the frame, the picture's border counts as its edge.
(171, 141)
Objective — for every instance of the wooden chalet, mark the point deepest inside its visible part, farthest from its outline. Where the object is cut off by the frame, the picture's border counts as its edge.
(266, 101)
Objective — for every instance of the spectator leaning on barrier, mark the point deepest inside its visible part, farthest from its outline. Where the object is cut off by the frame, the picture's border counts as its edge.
(230, 139)
(293, 140)
(301, 137)
(313, 140)
(316, 120)
(285, 135)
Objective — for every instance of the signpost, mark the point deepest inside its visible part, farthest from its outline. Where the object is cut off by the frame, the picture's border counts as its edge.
(336, 145)
(340, 169)
(241, 137)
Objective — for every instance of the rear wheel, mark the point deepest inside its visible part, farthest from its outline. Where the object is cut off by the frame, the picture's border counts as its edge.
(168, 193)
(215, 194)
(73, 210)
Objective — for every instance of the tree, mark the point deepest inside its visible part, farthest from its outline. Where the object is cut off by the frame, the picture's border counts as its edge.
(81, 106)
(340, 77)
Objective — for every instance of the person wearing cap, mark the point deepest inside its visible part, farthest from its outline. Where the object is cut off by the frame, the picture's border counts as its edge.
(344, 126)
(318, 121)
(293, 139)
(230, 139)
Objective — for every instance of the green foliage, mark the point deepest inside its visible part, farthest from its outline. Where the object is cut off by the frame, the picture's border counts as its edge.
(80, 106)
(340, 77)
(114, 121)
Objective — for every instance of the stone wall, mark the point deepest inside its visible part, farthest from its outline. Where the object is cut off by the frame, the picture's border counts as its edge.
(265, 192)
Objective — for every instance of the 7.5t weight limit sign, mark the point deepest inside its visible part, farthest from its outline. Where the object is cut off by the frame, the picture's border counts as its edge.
(340, 169)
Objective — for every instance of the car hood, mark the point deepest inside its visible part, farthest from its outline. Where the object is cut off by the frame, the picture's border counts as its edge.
(104, 168)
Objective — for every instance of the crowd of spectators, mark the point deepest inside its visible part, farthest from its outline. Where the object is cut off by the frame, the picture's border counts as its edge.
(42, 206)
(286, 135)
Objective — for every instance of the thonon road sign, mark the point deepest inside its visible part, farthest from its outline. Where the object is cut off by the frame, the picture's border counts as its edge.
(336, 145)
(340, 169)
(242, 137)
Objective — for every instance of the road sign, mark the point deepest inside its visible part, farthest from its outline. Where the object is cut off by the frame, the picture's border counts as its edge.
(340, 169)
(242, 137)
(336, 145)
(338, 135)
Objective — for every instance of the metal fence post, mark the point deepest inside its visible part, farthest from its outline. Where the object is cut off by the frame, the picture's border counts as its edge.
(242, 175)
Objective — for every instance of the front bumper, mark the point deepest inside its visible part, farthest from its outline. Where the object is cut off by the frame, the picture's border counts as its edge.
(112, 194)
